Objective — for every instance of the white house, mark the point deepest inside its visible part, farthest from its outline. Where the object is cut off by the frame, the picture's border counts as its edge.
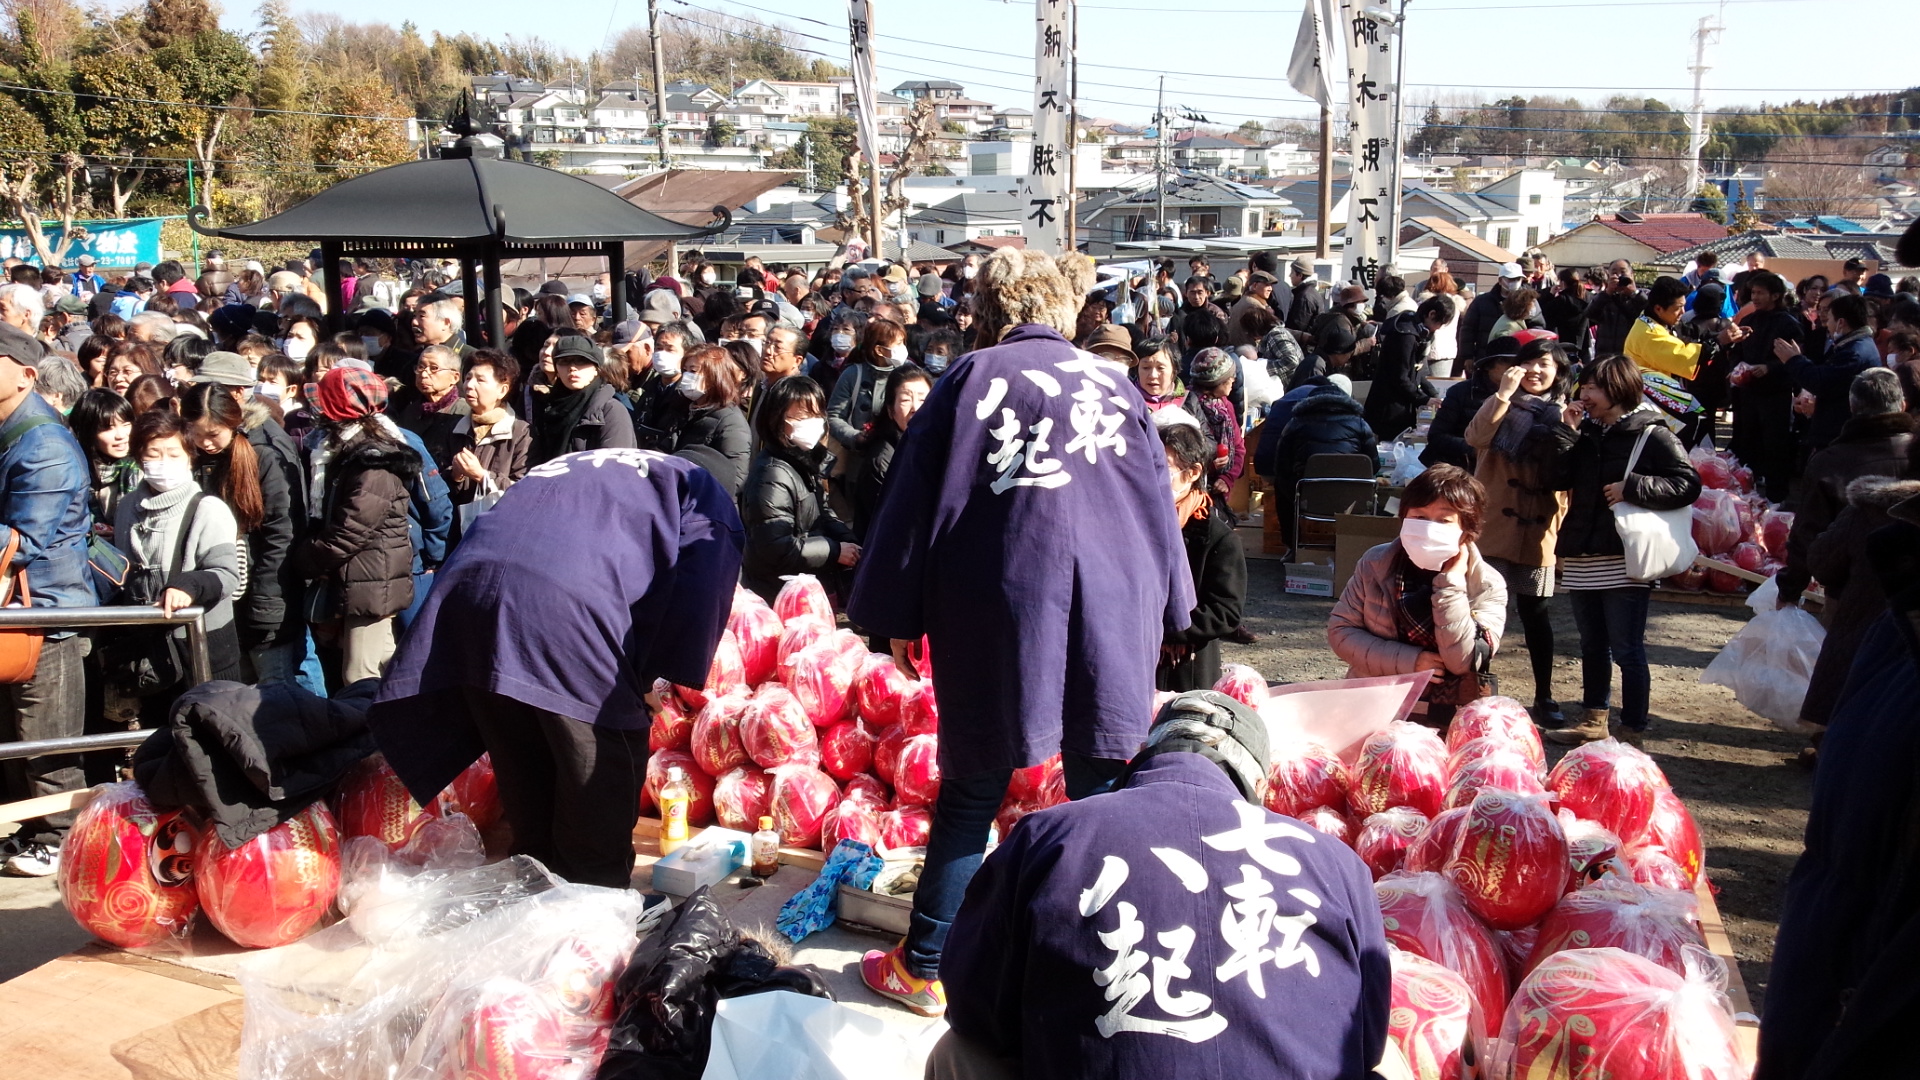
(1537, 197)
(804, 99)
(620, 118)
(966, 217)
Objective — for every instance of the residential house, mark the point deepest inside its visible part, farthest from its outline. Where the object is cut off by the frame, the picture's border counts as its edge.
(1794, 256)
(1537, 197)
(804, 99)
(621, 117)
(1014, 120)
(1284, 159)
(1471, 259)
(1304, 196)
(1889, 157)
(935, 88)
(1198, 205)
(972, 116)
(1201, 152)
(967, 217)
(986, 245)
(1638, 238)
(1470, 212)
(498, 87)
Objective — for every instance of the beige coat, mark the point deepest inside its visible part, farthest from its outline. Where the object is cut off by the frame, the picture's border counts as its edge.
(1364, 632)
(1523, 510)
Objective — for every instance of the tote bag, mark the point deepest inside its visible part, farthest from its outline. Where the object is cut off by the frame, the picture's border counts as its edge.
(1658, 543)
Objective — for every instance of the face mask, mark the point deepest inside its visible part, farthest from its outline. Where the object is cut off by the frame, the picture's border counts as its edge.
(935, 363)
(599, 291)
(691, 385)
(267, 390)
(372, 345)
(842, 343)
(806, 434)
(164, 476)
(1429, 543)
(969, 271)
(666, 362)
(898, 353)
(294, 350)
(706, 277)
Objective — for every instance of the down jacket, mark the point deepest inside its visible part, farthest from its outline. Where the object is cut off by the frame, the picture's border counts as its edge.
(1328, 422)
(1867, 446)
(790, 529)
(1393, 404)
(362, 544)
(1596, 456)
(1219, 568)
(1855, 596)
(1364, 631)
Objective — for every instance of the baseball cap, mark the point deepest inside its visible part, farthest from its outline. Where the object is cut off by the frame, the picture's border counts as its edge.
(581, 299)
(897, 274)
(575, 347)
(224, 368)
(630, 331)
(69, 304)
(1510, 271)
(85, 260)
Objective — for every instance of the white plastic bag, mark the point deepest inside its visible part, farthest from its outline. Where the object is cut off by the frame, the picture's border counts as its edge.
(1769, 662)
(792, 1035)
(1406, 463)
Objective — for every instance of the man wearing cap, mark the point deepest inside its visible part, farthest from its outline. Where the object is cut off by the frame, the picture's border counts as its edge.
(1113, 343)
(933, 297)
(1171, 921)
(1853, 275)
(70, 318)
(633, 346)
(1308, 302)
(581, 310)
(658, 307)
(86, 283)
(1615, 307)
(44, 524)
(1476, 323)
(1259, 294)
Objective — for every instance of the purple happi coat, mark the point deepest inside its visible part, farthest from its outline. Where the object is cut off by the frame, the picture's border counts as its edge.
(1171, 929)
(593, 575)
(1028, 529)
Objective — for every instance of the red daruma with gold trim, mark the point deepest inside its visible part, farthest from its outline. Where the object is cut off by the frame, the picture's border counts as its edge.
(126, 869)
(275, 887)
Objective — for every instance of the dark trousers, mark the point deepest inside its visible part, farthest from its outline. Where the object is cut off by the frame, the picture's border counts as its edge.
(1613, 630)
(570, 789)
(962, 817)
(1538, 626)
(52, 705)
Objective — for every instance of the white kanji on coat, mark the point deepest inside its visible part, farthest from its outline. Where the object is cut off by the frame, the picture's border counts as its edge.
(1126, 981)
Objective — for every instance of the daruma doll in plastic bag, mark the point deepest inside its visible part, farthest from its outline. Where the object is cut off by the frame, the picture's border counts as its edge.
(1424, 914)
(700, 808)
(916, 777)
(846, 750)
(1651, 866)
(126, 869)
(1499, 765)
(672, 726)
(1432, 1018)
(775, 729)
(756, 630)
(475, 793)
(515, 1032)
(740, 798)
(881, 691)
(716, 742)
(907, 827)
(869, 790)
(799, 635)
(1304, 775)
(1242, 684)
(1499, 718)
(1510, 861)
(1590, 1013)
(1654, 924)
(275, 887)
(821, 678)
(1436, 845)
(1329, 820)
(1611, 783)
(373, 802)
(1405, 765)
(850, 819)
(803, 595)
(1671, 830)
(1385, 837)
(802, 795)
(725, 675)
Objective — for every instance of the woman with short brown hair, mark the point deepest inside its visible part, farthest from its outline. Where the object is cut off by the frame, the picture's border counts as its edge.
(715, 427)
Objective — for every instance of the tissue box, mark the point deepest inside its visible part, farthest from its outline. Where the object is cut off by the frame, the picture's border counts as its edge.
(706, 859)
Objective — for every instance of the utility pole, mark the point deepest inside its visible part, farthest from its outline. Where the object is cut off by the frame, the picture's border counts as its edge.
(1160, 160)
(1708, 32)
(1073, 123)
(806, 148)
(659, 79)
(1323, 229)
(1399, 134)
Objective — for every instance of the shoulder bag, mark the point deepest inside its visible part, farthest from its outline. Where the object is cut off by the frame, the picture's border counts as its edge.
(1657, 543)
(145, 660)
(19, 648)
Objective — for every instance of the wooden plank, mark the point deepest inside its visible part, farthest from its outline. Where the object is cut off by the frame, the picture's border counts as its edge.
(83, 1017)
(1746, 1025)
(42, 805)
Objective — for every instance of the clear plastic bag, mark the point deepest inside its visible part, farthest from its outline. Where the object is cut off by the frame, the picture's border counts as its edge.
(1716, 521)
(846, 750)
(1489, 763)
(726, 673)
(1606, 1012)
(1405, 461)
(1385, 837)
(1499, 718)
(802, 594)
(1672, 832)
(1611, 783)
(373, 802)
(1425, 915)
(916, 776)
(491, 972)
(276, 887)
(821, 678)
(1243, 684)
(882, 691)
(740, 798)
(126, 869)
(1330, 820)
(775, 729)
(1769, 662)
(1510, 861)
(716, 743)
(1433, 1019)
(802, 796)
(756, 630)
(1405, 765)
(1304, 775)
(1654, 924)
(1436, 845)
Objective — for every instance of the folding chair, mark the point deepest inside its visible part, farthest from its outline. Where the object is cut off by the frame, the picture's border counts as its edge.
(1334, 484)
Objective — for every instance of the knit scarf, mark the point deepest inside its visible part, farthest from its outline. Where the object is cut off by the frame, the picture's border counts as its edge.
(1523, 413)
(559, 414)
(446, 401)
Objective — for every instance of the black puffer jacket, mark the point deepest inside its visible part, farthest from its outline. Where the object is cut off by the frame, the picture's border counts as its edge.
(790, 529)
(1596, 456)
(1612, 316)
(723, 431)
(1476, 324)
(1328, 422)
(1447, 435)
(1191, 660)
(361, 546)
(1393, 404)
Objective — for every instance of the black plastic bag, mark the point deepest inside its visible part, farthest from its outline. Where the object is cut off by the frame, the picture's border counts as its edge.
(664, 1002)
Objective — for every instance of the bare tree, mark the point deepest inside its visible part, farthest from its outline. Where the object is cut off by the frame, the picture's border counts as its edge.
(913, 158)
(1808, 179)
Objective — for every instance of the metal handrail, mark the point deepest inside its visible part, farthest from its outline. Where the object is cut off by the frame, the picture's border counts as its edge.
(59, 618)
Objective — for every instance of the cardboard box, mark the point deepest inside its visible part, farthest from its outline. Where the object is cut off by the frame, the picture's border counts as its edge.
(1353, 534)
(1310, 579)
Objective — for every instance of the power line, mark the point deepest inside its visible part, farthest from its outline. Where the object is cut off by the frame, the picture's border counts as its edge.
(115, 98)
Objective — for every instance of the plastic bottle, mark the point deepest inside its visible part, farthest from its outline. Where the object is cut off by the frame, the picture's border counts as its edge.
(675, 796)
(766, 849)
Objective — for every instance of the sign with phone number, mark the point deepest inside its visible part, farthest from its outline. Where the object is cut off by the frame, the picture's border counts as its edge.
(120, 242)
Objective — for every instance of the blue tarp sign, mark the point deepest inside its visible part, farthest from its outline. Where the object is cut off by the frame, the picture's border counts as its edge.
(115, 242)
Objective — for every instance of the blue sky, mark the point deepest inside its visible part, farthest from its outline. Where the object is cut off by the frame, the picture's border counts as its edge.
(1229, 61)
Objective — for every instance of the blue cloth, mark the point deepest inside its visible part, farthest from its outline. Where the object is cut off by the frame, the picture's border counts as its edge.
(429, 510)
(814, 908)
(45, 502)
(1171, 929)
(1830, 380)
(1028, 531)
(592, 576)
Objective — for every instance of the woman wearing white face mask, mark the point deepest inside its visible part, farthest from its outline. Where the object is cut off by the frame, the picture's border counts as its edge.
(1426, 601)
(882, 348)
(709, 416)
(790, 527)
(181, 544)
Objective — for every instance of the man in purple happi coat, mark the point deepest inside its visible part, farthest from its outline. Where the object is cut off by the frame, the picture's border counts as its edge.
(593, 575)
(1171, 928)
(1028, 531)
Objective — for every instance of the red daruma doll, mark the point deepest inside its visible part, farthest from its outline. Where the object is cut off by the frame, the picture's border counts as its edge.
(275, 887)
(126, 869)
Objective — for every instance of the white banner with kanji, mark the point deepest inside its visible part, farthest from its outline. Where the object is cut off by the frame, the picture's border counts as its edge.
(865, 106)
(1046, 192)
(1373, 214)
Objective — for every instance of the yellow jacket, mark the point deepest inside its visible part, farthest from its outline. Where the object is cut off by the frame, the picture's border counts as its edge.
(1654, 348)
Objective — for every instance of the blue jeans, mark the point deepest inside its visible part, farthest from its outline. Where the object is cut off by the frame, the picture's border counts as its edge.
(1613, 630)
(962, 816)
(422, 584)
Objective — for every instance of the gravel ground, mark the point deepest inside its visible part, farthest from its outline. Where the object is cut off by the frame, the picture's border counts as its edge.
(1730, 766)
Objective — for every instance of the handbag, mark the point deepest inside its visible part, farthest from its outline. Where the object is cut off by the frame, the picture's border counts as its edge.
(19, 647)
(1657, 543)
(146, 660)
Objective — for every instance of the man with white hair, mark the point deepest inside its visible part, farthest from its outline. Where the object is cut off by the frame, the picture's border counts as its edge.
(440, 325)
(152, 327)
(22, 306)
